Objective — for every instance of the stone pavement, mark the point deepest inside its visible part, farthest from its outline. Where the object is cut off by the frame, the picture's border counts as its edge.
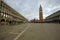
(30, 31)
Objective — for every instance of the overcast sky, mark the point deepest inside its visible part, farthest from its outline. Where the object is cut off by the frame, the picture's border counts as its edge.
(30, 8)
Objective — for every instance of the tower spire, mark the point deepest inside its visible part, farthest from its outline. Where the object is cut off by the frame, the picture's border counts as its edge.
(40, 14)
(40, 7)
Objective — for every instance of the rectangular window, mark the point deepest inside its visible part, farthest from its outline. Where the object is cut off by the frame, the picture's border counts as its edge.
(0, 4)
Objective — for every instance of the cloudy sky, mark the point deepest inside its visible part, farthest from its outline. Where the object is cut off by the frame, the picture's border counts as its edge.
(30, 8)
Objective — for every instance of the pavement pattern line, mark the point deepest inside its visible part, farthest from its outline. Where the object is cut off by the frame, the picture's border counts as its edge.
(13, 33)
(19, 35)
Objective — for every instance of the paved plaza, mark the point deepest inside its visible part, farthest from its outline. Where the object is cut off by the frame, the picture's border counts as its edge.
(30, 31)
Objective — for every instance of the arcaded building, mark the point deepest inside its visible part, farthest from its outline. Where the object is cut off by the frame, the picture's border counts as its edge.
(9, 16)
(53, 18)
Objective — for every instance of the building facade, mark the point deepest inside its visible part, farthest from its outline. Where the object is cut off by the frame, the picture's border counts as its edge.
(53, 18)
(9, 16)
(40, 14)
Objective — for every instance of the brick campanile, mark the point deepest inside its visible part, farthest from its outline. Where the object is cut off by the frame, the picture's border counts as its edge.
(40, 14)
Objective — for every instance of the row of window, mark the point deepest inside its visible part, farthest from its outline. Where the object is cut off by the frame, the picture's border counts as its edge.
(54, 18)
(6, 13)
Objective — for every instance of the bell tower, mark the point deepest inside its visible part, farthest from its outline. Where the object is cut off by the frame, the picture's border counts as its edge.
(40, 14)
